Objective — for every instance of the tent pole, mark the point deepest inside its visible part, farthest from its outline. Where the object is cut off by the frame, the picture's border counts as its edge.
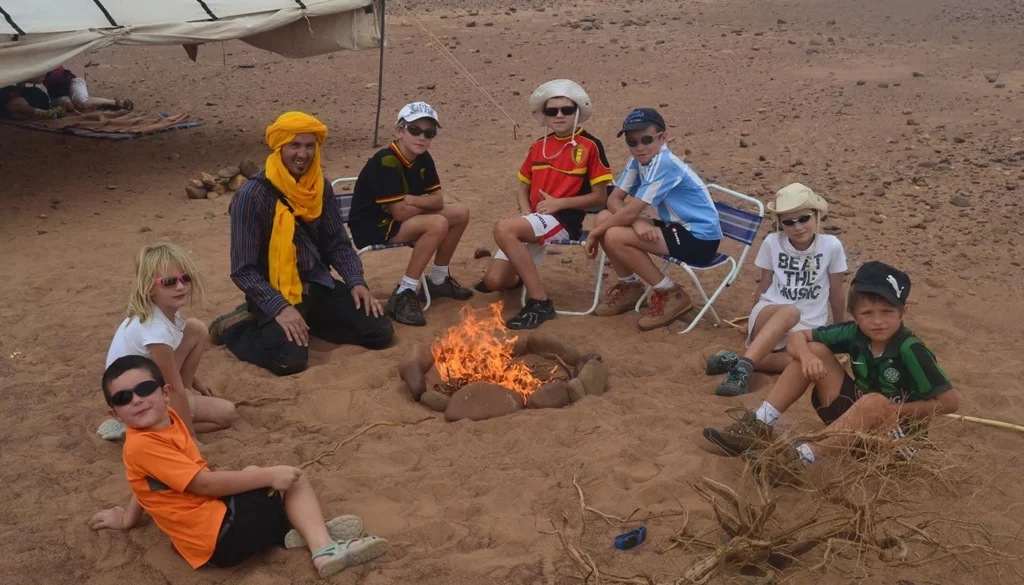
(380, 79)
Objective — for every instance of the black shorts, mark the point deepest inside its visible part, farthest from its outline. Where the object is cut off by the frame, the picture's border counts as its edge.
(848, 394)
(372, 235)
(682, 245)
(254, 522)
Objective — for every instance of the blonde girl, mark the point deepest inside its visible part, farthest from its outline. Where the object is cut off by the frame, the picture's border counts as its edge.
(802, 273)
(166, 281)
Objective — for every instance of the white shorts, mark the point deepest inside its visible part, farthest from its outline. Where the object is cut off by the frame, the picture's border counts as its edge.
(753, 319)
(546, 228)
(78, 94)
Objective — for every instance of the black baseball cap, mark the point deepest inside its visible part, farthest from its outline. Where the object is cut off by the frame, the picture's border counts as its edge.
(641, 118)
(883, 280)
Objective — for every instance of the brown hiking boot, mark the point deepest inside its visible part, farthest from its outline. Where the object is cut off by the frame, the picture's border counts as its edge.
(620, 298)
(666, 306)
(746, 434)
(226, 321)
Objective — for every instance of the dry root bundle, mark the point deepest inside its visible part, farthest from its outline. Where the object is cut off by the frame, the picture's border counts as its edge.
(873, 509)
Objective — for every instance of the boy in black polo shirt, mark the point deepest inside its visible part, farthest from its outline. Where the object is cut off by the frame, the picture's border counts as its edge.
(397, 199)
(896, 382)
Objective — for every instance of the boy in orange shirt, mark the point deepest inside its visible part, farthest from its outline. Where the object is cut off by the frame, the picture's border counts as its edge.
(216, 518)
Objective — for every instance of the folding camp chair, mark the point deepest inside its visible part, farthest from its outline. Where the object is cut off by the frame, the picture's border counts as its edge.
(738, 225)
(599, 277)
(345, 201)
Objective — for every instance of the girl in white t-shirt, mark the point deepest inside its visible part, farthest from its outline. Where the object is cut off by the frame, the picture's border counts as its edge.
(802, 275)
(166, 281)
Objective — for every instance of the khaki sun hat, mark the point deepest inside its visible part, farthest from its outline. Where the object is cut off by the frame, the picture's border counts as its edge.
(560, 88)
(797, 197)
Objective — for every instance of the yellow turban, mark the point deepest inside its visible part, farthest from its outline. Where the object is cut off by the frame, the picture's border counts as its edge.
(305, 196)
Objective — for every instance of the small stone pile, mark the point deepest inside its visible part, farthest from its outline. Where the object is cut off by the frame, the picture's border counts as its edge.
(228, 179)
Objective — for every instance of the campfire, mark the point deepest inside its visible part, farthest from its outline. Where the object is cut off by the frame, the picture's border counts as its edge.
(478, 369)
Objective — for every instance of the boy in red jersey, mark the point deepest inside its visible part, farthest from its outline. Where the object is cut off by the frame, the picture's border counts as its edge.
(565, 173)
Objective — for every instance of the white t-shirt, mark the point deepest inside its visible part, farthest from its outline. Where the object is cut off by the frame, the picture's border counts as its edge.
(132, 337)
(802, 278)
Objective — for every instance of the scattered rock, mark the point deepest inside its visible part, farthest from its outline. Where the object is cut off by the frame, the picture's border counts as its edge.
(481, 401)
(248, 168)
(208, 179)
(236, 182)
(481, 253)
(229, 172)
(554, 394)
(434, 400)
(195, 192)
(960, 201)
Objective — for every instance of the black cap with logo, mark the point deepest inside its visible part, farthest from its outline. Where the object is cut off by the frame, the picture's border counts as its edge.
(640, 119)
(883, 280)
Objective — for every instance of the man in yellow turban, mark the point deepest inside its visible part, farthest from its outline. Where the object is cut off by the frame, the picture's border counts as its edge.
(286, 234)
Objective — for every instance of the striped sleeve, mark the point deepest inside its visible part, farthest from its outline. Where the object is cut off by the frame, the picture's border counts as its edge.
(929, 379)
(335, 244)
(252, 211)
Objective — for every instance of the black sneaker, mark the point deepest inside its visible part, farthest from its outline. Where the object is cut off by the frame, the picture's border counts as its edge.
(533, 314)
(404, 308)
(449, 288)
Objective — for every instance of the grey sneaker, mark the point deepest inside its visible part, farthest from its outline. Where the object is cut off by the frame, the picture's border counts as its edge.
(721, 362)
(450, 288)
(404, 308)
(737, 383)
(746, 434)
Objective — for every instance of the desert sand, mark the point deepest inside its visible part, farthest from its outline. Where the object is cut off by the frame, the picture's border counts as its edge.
(888, 109)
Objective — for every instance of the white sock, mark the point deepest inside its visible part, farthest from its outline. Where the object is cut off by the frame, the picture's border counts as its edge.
(438, 274)
(665, 284)
(408, 284)
(767, 414)
(806, 455)
(629, 279)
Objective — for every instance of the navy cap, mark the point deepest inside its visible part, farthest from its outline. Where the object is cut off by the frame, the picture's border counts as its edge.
(883, 280)
(641, 118)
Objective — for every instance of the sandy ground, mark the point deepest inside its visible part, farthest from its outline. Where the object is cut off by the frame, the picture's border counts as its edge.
(462, 503)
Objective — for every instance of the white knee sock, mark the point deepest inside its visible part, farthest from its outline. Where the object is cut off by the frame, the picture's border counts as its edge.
(438, 274)
(629, 279)
(665, 284)
(767, 414)
(408, 284)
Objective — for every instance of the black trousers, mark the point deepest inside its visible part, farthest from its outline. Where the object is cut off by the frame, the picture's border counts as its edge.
(331, 315)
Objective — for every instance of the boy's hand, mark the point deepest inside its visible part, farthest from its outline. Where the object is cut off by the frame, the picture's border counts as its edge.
(548, 205)
(813, 368)
(295, 328)
(112, 519)
(283, 476)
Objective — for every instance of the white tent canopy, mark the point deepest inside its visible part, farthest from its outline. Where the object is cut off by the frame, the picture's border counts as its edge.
(47, 33)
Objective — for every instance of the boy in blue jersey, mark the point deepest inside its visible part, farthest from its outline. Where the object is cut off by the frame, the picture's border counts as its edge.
(687, 227)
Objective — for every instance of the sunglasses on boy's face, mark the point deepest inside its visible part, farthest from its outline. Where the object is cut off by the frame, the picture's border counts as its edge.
(645, 140)
(125, 397)
(566, 111)
(430, 133)
(801, 219)
(171, 281)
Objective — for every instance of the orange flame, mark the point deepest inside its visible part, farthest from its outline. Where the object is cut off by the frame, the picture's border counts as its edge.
(479, 349)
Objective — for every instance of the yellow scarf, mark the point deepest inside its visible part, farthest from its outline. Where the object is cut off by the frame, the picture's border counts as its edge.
(306, 196)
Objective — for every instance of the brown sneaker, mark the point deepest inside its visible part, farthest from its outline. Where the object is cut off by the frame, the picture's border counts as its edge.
(746, 434)
(666, 306)
(620, 298)
(225, 322)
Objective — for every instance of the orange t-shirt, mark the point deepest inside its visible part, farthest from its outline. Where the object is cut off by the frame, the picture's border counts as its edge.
(159, 466)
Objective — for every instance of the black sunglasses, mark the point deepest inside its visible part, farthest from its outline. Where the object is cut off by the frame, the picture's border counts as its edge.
(430, 133)
(645, 140)
(125, 397)
(566, 111)
(801, 219)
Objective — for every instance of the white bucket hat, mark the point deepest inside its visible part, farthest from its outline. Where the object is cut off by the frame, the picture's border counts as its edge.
(560, 88)
(797, 197)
